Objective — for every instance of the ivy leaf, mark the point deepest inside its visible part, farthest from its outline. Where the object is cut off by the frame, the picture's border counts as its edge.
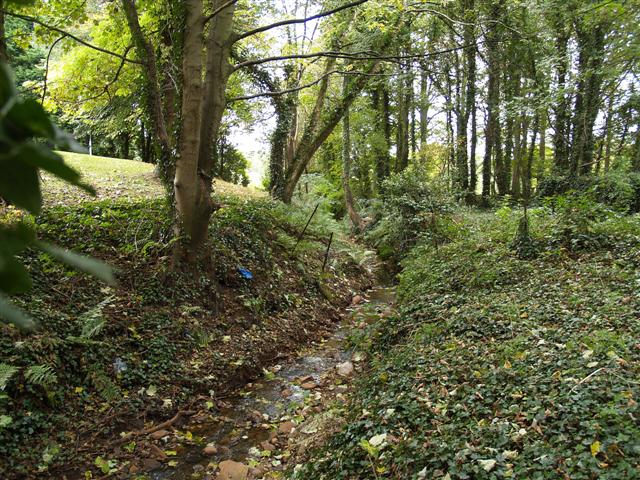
(80, 262)
(487, 465)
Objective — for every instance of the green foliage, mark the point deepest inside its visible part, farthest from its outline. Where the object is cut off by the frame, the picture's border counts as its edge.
(93, 320)
(41, 375)
(500, 367)
(614, 190)
(6, 373)
(410, 209)
(23, 126)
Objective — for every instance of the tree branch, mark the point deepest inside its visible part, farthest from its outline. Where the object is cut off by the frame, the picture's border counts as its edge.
(297, 20)
(222, 7)
(363, 55)
(284, 92)
(46, 69)
(308, 85)
(71, 36)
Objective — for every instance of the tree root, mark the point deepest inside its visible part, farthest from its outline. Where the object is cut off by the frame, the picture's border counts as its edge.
(160, 426)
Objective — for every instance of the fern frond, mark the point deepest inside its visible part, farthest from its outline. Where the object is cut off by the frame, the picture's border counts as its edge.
(93, 320)
(105, 387)
(42, 375)
(6, 372)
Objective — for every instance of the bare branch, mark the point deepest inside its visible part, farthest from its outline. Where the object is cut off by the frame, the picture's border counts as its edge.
(311, 84)
(298, 20)
(284, 92)
(362, 55)
(221, 8)
(46, 69)
(71, 36)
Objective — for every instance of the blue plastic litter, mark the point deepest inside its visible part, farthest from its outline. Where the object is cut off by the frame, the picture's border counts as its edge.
(245, 273)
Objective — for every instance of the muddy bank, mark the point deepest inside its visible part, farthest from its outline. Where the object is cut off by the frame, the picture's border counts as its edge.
(269, 425)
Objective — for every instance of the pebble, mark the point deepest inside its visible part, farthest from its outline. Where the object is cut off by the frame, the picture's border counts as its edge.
(345, 369)
(160, 434)
(286, 428)
(230, 470)
(209, 450)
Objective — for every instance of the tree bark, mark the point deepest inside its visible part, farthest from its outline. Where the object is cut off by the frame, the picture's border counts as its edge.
(190, 194)
(402, 133)
(591, 43)
(4, 56)
(424, 116)
(153, 98)
(561, 126)
(354, 216)
(314, 137)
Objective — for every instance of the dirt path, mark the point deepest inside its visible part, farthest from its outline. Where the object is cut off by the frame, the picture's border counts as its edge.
(270, 424)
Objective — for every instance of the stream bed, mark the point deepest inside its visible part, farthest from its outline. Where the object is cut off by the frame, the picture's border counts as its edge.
(267, 410)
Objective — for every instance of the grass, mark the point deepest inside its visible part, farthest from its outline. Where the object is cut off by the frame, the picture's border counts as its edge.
(115, 178)
(499, 367)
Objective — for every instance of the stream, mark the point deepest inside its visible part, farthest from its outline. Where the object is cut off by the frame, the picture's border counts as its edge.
(261, 412)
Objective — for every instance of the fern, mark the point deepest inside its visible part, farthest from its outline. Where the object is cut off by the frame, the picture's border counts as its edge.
(105, 387)
(6, 372)
(42, 375)
(93, 320)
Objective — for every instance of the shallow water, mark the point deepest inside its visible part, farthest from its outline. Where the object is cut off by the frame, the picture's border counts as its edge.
(234, 433)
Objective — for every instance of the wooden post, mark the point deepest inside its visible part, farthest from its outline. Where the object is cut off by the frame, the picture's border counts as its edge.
(305, 228)
(326, 255)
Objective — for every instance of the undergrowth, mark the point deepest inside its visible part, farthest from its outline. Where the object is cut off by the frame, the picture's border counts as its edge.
(104, 357)
(502, 367)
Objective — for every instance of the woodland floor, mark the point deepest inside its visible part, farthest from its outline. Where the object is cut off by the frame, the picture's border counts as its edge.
(159, 347)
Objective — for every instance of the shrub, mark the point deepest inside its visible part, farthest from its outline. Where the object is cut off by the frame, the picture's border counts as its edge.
(620, 192)
(410, 209)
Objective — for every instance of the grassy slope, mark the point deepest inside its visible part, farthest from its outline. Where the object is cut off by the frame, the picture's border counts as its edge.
(118, 179)
(503, 368)
(176, 343)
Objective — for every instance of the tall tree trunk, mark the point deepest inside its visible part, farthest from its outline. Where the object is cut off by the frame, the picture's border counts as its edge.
(561, 123)
(591, 43)
(279, 142)
(462, 125)
(4, 56)
(402, 141)
(153, 98)
(635, 165)
(494, 138)
(424, 116)
(382, 141)
(542, 153)
(608, 133)
(470, 37)
(315, 135)
(526, 183)
(189, 191)
(354, 216)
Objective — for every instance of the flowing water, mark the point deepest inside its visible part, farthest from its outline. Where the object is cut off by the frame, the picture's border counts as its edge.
(239, 427)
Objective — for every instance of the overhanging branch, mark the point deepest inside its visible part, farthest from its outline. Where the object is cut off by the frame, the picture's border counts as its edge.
(293, 21)
(71, 36)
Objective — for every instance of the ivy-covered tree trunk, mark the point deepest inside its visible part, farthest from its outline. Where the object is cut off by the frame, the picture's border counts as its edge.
(424, 115)
(4, 57)
(561, 125)
(354, 216)
(591, 44)
(402, 132)
(317, 131)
